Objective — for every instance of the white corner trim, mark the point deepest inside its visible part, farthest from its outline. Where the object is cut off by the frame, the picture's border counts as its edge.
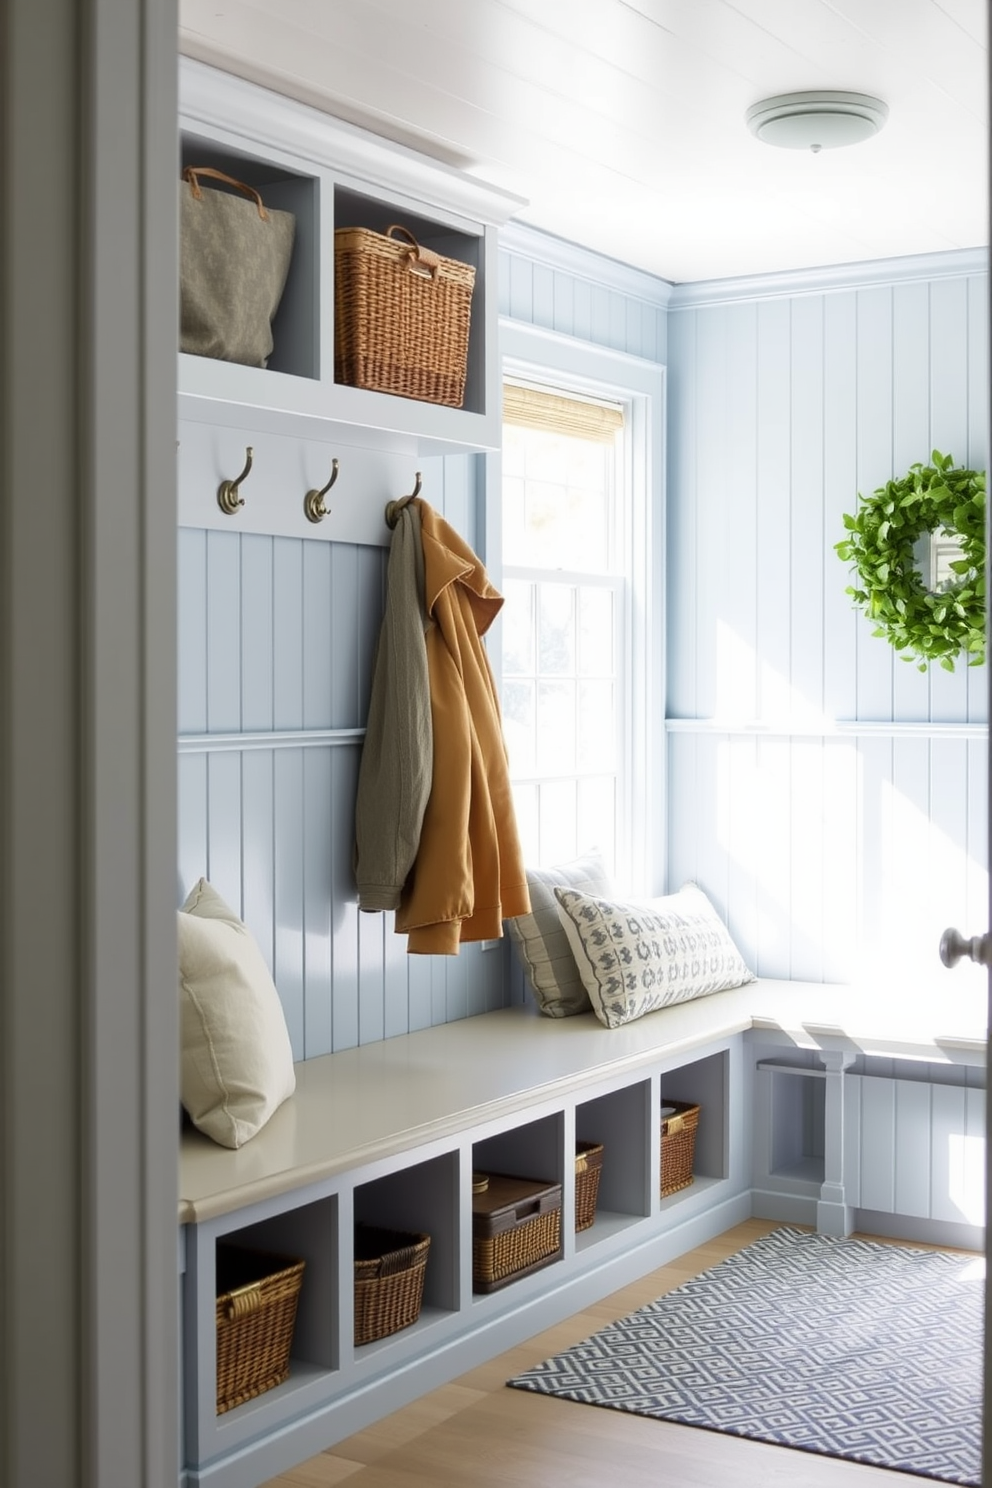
(956, 263)
(550, 252)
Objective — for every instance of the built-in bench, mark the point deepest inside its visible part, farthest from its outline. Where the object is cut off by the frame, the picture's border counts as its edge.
(818, 1104)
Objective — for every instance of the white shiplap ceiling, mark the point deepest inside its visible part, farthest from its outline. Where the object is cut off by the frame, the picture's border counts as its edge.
(622, 122)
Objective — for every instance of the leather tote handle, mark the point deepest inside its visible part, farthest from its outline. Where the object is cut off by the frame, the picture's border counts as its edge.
(192, 172)
(420, 260)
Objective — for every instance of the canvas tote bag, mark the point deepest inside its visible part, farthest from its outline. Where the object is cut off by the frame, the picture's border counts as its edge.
(234, 256)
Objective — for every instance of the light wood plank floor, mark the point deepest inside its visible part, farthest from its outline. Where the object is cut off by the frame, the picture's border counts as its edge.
(475, 1433)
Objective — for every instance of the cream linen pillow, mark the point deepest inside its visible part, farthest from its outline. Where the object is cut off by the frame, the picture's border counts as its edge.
(635, 957)
(548, 963)
(237, 1063)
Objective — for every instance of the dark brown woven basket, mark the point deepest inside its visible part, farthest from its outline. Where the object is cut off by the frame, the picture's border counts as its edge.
(389, 1280)
(516, 1229)
(588, 1166)
(257, 1295)
(678, 1147)
(401, 316)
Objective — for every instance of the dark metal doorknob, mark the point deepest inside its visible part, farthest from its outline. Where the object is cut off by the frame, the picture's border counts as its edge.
(953, 946)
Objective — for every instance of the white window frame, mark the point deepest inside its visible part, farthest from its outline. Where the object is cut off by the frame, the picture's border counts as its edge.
(536, 355)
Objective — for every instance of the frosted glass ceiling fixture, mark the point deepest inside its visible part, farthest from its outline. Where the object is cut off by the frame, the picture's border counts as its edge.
(816, 121)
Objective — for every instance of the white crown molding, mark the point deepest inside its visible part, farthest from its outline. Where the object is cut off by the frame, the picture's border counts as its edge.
(257, 117)
(956, 263)
(542, 248)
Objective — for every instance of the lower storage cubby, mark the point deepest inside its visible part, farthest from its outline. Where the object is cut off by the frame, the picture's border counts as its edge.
(797, 1120)
(307, 1234)
(620, 1121)
(416, 1203)
(237, 1319)
(517, 1216)
(700, 1153)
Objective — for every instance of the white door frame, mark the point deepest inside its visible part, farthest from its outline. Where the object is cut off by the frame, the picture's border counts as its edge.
(88, 1020)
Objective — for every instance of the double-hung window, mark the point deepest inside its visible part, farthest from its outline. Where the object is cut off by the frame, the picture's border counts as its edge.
(580, 546)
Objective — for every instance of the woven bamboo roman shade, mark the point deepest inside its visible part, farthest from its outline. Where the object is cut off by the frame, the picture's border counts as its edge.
(533, 408)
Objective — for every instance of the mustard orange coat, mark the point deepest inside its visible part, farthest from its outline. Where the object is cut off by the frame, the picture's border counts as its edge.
(469, 873)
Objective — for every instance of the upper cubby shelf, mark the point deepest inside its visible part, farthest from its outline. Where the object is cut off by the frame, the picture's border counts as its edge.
(331, 175)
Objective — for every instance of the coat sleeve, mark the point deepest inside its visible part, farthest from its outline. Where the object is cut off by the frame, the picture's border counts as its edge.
(396, 770)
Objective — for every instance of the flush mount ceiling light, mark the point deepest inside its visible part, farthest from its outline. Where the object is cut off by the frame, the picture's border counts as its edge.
(816, 121)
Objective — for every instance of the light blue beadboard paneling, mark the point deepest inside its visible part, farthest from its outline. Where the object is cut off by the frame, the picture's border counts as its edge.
(288, 816)
(345, 1021)
(420, 983)
(223, 803)
(840, 477)
(223, 631)
(287, 633)
(878, 1139)
(544, 281)
(806, 508)
(371, 979)
(318, 938)
(317, 662)
(257, 644)
(258, 861)
(191, 604)
(776, 574)
(913, 1148)
(838, 856)
(682, 670)
(191, 822)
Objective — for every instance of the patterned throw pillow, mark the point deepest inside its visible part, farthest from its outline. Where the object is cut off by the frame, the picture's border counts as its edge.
(635, 957)
(548, 963)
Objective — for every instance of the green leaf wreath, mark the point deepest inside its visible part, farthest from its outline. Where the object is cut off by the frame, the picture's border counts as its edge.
(923, 625)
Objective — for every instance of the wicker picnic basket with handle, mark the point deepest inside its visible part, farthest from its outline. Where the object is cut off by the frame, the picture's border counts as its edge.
(588, 1167)
(389, 1280)
(401, 316)
(679, 1122)
(257, 1296)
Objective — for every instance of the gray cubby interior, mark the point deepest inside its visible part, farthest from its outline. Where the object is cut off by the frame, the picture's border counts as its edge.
(533, 1150)
(798, 1117)
(422, 1199)
(704, 1082)
(309, 1233)
(620, 1120)
(296, 328)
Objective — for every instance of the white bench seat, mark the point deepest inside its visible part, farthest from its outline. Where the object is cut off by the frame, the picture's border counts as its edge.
(385, 1098)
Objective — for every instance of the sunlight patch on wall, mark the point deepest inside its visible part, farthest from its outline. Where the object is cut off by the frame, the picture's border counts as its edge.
(966, 1173)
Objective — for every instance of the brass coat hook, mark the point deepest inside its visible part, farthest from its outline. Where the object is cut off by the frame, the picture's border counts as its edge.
(227, 494)
(393, 508)
(313, 501)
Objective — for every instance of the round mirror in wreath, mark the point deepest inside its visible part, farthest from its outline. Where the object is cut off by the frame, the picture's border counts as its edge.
(926, 619)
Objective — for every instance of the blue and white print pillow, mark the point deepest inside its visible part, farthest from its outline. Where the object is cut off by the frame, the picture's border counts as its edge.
(637, 956)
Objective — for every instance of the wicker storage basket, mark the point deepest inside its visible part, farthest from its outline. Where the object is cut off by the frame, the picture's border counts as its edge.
(401, 316)
(678, 1146)
(257, 1295)
(516, 1229)
(588, 1166)
(389, 1280)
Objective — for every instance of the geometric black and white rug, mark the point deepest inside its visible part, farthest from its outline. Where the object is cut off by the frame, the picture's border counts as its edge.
(849, 1348)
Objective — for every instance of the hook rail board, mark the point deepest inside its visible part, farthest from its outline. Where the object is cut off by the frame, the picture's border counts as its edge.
(271, 487)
